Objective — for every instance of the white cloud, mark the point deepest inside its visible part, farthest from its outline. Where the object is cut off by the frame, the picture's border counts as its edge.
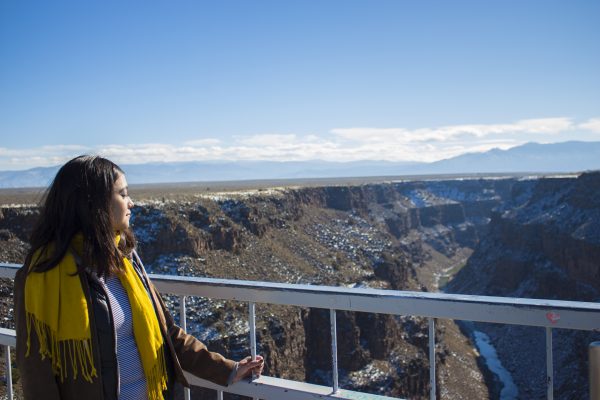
(44, 156)
(447, 133)
(341, 144)
(591, 125)
(545, 125)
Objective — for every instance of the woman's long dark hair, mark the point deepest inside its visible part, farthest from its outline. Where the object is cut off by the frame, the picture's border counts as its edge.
(79, 201)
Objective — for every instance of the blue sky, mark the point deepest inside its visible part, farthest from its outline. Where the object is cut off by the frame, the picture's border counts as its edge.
(293, 80)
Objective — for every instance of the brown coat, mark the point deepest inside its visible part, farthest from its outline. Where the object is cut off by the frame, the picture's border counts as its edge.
(39, 382)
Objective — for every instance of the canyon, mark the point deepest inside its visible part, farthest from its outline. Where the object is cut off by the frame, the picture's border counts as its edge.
(532, 236)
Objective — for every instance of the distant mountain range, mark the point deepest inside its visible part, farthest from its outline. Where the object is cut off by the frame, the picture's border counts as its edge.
(531, 157)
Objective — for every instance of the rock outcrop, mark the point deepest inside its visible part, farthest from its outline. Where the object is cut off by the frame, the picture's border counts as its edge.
(544, 242)
(376, 235)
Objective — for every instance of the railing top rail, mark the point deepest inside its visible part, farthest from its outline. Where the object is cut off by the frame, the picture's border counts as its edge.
(8, 267)
(8, 337)
(518, 311)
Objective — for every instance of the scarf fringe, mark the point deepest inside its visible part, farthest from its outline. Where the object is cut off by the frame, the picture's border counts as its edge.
(76, 352)
(157, 377)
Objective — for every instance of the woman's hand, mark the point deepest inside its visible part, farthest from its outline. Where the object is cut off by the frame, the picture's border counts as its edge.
(247, 366)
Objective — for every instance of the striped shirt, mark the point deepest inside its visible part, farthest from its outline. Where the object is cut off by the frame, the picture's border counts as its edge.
(132, 381)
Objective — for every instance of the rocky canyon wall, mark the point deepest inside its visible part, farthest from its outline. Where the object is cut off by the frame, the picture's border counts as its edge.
(376, 235)
(543, 242)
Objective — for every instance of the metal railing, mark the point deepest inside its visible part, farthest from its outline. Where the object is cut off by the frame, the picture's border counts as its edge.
(594, 370)
(546, 314)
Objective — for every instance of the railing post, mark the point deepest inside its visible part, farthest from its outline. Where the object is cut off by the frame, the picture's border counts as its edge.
(432, 383)
(9, 385)
(549, 366)
(252, 324)
(594, 367)
(183, 324)
(182, 313)
(334, 360)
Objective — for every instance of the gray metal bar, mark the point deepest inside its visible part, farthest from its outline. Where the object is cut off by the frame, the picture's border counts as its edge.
(268, 387)
(183, 324)
(594, 368)
(503, 310)
(530, 312)
(8, 270)
(219, 395)
(334, 360)
(432, 383)
(549, 366)
(8, 337)
(182, 313)
(9, 382)
(252, 325)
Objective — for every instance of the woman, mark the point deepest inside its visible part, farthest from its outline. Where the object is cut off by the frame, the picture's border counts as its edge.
(90, 324)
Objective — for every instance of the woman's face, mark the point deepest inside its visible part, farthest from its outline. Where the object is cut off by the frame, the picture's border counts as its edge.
(120, 205)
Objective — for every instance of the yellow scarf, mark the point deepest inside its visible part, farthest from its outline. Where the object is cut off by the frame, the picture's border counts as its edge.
(57, 309)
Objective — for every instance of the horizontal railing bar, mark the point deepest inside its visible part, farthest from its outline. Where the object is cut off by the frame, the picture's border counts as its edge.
(8, 337)
(267, 387)
(8, 270)
(507, 310)
(531, 312)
